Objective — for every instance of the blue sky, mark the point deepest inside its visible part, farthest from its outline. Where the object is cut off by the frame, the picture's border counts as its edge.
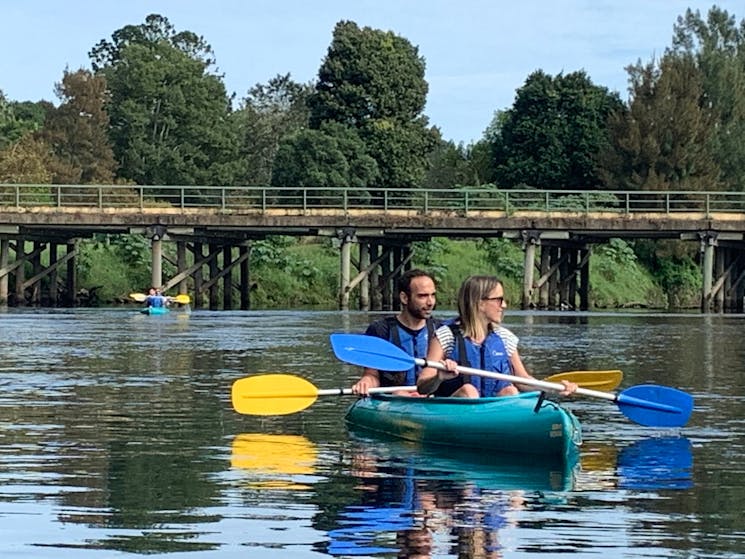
(478, 52)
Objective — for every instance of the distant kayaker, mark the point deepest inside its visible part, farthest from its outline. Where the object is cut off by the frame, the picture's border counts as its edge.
(155, 298)
(476, 339)
(410, 330)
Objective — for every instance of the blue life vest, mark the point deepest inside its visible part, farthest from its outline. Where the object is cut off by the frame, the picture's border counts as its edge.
(415, 345)
(490, 356)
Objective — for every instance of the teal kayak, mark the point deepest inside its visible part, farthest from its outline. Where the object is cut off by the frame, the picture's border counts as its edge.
(515, 424)
(155, 310)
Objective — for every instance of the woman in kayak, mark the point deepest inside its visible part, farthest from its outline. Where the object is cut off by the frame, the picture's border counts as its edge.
(476, 339)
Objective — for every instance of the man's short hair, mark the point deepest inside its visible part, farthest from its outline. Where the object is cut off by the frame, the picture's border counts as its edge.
(404, 281)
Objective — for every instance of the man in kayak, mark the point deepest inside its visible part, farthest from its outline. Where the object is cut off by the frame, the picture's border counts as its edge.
(411, 330)
(476, 339)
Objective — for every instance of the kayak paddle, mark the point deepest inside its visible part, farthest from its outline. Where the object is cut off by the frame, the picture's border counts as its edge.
(181, 299)
(647, 404)
(278, 394)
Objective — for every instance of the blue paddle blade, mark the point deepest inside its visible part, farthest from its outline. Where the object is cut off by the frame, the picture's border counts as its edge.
(656, 406)
(370, 351)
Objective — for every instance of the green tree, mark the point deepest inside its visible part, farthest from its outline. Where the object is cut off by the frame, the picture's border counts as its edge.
(15, 121)
(661, 142)
(717, 45)
(32, 114)
(170, 117)
(551, 136)
(25, 161)
(373, 82)
(269, 113)
(330, 157)
(77, 131)
(450, 165)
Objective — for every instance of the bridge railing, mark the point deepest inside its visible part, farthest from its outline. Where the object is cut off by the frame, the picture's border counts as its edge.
(459, 200)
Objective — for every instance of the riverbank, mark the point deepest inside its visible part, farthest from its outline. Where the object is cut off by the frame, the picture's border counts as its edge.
(304, 273)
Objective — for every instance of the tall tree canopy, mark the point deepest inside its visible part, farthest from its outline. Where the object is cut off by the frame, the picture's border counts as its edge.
(267, 114)
(371, 85)
(77, 132)
(551, 136)
(18, 119)
(662, 141)
(717, 46)
(170, 117)
(25, 161)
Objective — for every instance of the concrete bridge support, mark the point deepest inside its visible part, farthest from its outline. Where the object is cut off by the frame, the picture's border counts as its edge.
(379, 266)
(723, 273)
(4, 273)
(708, 242)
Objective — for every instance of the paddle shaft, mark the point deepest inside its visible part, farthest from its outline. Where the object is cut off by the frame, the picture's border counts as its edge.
(377, 390)
(542, 384)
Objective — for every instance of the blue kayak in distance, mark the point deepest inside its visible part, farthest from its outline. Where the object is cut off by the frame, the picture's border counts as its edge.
(522, 424)
(155, 310)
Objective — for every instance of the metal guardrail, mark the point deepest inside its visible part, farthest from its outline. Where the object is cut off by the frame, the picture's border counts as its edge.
(459, 200)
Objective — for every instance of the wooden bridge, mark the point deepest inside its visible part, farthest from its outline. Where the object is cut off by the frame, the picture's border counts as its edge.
(213, 228)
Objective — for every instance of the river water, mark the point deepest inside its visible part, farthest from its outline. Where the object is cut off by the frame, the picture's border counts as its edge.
(117, 438)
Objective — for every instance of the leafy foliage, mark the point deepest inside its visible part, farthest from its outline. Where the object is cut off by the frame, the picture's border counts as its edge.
(551, 136)
(371, 84)
(332, 156)
(428, 256)
(170, 117)
(662, 142)
(18, 119)
(614, 257)
(717, 47)
(77, 132)
(269, 113)
(618, 280)
(505, 257)
(673, 265)
(25, 161)
(288, 273)
(99, 265)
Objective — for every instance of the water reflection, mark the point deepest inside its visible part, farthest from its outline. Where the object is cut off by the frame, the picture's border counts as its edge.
(656, 463)
(412, 499)
(274, 460)
(651, 463)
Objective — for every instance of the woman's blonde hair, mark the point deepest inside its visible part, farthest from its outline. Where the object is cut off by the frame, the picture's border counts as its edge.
(472, 291)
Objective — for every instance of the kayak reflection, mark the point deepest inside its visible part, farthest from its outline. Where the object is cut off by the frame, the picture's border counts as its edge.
(412, 496)
(656, 463)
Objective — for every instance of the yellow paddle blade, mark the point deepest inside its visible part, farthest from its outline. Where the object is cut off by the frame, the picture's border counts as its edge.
(181, 299)
(139, 297)
(272, 394)
(604, 381)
